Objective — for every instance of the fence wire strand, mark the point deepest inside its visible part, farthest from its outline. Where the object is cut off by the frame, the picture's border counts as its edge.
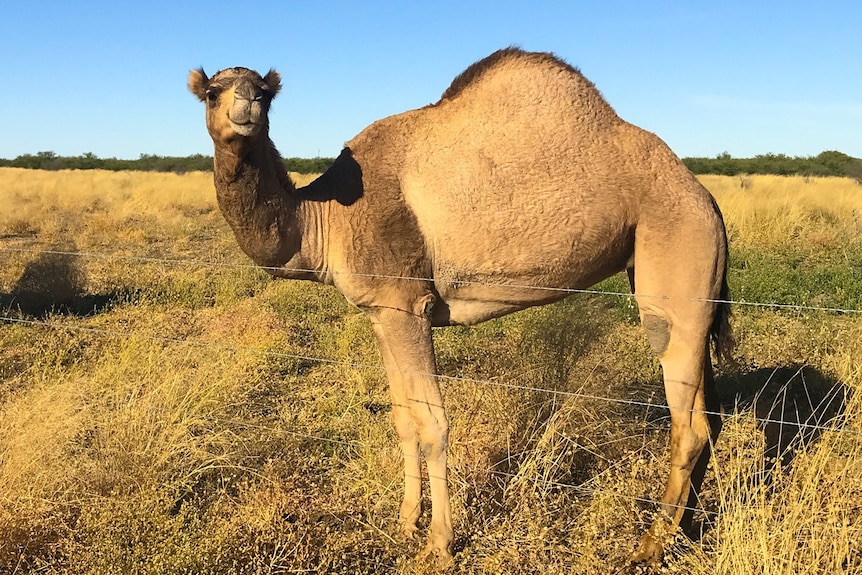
(229, 265)
(380, 368)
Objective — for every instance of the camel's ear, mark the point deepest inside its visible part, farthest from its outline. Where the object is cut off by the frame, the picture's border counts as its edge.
(273, 82)
(198, 84)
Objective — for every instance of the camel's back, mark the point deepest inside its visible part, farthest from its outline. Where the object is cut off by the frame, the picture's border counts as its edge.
(517, 132)
(516, 109)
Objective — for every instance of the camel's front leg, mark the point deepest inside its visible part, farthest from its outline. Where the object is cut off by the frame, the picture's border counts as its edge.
(407, 436)
(420, 419)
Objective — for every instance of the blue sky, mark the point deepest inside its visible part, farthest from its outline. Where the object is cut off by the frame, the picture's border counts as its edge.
(745, 77)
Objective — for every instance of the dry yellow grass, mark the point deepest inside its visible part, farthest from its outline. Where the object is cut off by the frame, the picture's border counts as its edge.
(170, 416)
(768, 211)
(98, 207)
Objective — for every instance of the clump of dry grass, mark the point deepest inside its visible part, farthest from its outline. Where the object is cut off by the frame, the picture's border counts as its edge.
(188, 425)
(134, 415)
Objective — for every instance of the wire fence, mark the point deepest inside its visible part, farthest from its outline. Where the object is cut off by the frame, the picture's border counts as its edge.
(376, 367)
(835, 424)
(315, 359)
(562, 290)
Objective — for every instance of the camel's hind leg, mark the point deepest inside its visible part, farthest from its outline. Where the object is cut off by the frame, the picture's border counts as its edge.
(677, 314)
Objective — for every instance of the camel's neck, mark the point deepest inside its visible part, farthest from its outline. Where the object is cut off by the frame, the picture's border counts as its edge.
(259, 202)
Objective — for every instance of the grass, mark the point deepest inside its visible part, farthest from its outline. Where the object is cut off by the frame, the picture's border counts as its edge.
(794, 239)
(166, 408)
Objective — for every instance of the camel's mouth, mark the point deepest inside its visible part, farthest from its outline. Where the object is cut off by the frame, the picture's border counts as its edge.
(245, 128)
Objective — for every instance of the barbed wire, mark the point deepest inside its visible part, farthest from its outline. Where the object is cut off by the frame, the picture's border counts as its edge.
(628, 295)
(835, 426)
(451, 378)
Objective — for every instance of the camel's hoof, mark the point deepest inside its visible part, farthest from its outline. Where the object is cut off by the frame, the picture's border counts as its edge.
(406, 532)
(441, 557)
(649, 551)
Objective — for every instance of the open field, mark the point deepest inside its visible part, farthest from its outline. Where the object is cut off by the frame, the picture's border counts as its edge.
(167, 408)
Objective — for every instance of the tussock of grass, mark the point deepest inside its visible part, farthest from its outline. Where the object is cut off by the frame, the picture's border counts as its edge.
(785, 519)
(176, 417)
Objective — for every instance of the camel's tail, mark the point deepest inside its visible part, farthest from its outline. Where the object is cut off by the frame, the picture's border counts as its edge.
(720, 332)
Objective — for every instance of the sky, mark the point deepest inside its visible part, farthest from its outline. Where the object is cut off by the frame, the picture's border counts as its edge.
(745, 77)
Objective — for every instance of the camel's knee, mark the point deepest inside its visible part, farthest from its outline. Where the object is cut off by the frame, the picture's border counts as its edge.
(434, 442)
(404, 425)
(432, 430)
(658, 333)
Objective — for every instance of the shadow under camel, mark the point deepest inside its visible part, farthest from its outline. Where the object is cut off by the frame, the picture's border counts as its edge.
(793, 405)
(53, 282)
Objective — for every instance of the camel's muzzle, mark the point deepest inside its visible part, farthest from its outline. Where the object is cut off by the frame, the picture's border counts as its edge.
(247, 114)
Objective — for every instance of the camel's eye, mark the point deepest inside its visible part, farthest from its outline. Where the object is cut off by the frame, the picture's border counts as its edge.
(212, 97)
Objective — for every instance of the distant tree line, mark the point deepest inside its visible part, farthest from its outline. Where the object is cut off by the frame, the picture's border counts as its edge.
(829, 163)
(146, 163)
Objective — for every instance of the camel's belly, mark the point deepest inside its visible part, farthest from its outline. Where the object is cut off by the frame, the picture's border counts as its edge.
(475, 298)
(459, 311)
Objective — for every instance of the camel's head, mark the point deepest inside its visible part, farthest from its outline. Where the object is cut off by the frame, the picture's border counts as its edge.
(237, 101)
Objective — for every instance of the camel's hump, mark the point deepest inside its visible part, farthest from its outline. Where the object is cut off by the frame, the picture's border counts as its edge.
(478, 69)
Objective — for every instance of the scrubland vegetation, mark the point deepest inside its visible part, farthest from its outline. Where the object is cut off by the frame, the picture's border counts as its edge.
(145, 163)
(166, 408)
(828, 163)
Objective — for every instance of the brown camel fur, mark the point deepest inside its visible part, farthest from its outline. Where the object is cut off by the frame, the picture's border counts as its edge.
(521, 175)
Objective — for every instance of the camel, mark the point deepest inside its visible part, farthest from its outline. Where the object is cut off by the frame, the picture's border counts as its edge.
(520, 184)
